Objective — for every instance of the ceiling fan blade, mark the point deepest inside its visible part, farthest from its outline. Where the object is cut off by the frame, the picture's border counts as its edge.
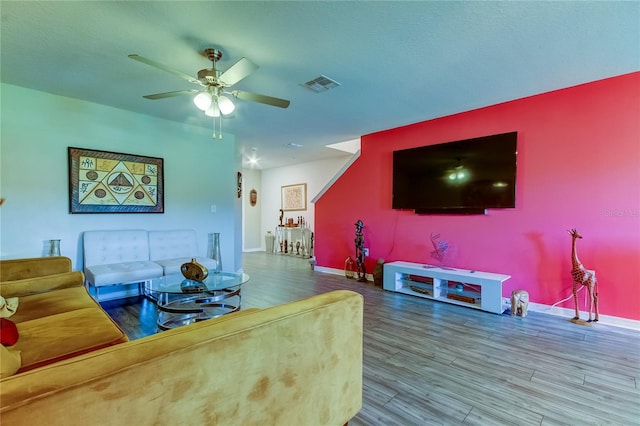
(165, 68)
(281, 103)
(169, 94)
(237, 72)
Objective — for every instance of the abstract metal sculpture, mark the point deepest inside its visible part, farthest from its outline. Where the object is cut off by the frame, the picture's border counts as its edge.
(440, 247)
(362, 272)
(585, 277)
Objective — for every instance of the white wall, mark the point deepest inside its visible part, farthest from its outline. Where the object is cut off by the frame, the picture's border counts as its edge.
(37, 128)
(315, 174)
(252, 215)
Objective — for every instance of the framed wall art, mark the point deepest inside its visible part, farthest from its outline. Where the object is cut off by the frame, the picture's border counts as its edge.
(294, 197)
(113, 182)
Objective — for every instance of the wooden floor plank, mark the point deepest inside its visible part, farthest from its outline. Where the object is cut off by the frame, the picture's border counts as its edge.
(429, 363)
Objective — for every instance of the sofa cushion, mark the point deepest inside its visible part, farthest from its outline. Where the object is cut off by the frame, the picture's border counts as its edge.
(9, 362)
(122, 273)
(53, 302)
(171, 249)
(59, 336)
(115, 246)
(172, 266)
(44, 284)
(173, 244)
(19, 269)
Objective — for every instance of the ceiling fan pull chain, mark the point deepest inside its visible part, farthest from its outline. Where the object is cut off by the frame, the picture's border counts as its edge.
(219, 126)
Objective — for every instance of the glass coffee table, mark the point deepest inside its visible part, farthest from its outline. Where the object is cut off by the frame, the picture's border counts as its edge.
(181, 301)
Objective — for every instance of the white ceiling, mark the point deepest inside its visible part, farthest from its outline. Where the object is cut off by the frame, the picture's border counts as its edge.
(397, 62)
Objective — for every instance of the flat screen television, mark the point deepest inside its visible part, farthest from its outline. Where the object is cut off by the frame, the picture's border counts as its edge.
(460, 177)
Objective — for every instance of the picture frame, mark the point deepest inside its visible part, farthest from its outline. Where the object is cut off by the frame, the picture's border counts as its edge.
(114, 182)
(294, 197)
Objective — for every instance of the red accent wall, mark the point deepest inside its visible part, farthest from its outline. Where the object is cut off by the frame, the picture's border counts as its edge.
(578, 166)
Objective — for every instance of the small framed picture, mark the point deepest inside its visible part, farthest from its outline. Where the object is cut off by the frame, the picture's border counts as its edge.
(294, 197)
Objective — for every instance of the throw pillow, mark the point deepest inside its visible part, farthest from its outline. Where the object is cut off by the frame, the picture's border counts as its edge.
(8, 306)
(8, 332)
(9, 362)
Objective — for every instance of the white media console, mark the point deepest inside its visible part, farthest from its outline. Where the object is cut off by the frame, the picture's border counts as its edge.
(474, 289)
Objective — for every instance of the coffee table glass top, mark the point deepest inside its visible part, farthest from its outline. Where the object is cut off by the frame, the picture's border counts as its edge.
(177, 284)
(181, 301)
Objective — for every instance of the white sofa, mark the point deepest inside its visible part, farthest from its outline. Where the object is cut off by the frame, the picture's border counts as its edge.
(170, 249)
(134, 256)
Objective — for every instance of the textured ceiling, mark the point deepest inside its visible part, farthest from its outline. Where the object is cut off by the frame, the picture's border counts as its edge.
(397, 62)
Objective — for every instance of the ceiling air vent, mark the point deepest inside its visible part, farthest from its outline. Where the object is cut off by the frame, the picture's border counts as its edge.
(321, 84)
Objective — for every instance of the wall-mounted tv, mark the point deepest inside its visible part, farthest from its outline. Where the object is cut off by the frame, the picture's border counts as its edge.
(466, 176)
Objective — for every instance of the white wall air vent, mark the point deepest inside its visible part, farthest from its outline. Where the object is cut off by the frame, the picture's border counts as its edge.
(321, 84)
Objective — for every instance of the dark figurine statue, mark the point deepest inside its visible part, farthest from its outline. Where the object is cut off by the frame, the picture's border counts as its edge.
(362, 272)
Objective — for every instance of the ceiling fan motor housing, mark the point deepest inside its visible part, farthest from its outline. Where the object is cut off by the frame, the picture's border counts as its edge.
(213, 55)
(209, 77)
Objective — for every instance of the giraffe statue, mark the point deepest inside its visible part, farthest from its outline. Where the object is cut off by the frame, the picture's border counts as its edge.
(583, 276)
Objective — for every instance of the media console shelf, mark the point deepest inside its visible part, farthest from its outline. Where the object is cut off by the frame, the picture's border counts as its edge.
(474, 289)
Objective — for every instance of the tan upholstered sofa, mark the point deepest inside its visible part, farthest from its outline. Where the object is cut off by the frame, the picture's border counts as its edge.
(56, 318)
(298, 363)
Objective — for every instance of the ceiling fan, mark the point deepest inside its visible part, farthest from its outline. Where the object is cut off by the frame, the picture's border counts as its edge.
(214, 85)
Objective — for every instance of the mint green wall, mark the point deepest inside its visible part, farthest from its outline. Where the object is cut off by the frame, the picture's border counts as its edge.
(37, 128)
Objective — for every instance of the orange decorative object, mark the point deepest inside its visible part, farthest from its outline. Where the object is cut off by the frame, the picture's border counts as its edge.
(349, 268)
(194, 271)
(585, 277)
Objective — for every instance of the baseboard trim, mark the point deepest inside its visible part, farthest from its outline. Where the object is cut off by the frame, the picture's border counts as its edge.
(570, 313)
(251, 250)
(534, 307)
(334, 271)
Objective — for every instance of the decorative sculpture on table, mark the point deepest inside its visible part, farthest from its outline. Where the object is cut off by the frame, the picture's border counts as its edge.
(519, 303)
(585, 277)
(362, 272)
(194, 271)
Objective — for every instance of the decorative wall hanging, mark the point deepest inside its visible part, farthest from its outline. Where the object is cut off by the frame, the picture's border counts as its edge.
(113, 182)
(253, 197)
(239, 182)
(294, 197)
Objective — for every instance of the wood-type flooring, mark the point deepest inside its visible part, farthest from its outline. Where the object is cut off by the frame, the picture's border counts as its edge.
(431, 363)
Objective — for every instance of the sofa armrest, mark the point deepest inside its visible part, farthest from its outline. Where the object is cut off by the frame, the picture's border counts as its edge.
(19, 269)
(41, 284)
(298, 363)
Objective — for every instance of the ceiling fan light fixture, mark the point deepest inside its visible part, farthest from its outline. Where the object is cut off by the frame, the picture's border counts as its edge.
(225, 105)
(213, 110)
(203, 100)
